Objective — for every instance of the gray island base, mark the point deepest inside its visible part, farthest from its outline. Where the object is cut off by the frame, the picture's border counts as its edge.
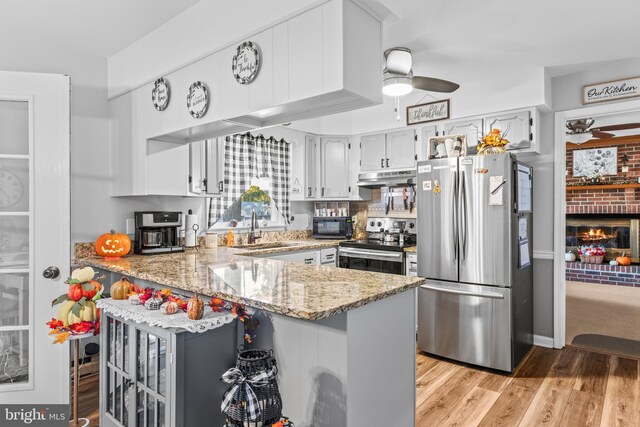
(354, 369)
(344, 341)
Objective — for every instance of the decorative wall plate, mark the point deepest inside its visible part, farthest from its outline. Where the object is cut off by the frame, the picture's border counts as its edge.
(198, 99)
(246, 63)
(160, 94)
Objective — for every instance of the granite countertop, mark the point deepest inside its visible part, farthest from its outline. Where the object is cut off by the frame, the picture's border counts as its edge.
(302, 291)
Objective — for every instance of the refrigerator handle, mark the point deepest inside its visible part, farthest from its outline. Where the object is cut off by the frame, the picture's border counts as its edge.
(463, 211)
(454, 204)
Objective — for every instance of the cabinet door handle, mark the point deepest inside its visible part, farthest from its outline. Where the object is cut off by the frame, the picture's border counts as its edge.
(309, 192)
(381, 163)
(204, 185)
(322, 191)
(387, 162)
(221, 186)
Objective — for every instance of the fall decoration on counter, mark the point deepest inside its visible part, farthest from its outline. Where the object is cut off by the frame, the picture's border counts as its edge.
(122, 289)
(623, 260)
(569, 256)
(134, 299)
(195, 307)
(77, 313)
(113, 245)
(153, 303)
(591, 254)
(493, 143)
(169, 307)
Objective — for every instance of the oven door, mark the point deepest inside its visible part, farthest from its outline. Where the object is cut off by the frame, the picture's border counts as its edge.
(371, 260)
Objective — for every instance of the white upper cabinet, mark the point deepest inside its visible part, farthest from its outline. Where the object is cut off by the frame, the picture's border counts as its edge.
(311, 166)
(515, 126)
(305, 55)
(401, 149)
(426, 132)
(472, 128)
(334, 152)
(393, 150)
(373, 152)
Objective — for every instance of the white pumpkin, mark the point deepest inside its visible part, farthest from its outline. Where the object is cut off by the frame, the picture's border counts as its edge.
(83, 275)
(570, 256)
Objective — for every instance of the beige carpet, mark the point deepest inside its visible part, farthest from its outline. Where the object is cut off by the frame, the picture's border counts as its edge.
(608, 310)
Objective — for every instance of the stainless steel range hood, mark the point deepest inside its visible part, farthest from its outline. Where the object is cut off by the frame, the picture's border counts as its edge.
(387, 179)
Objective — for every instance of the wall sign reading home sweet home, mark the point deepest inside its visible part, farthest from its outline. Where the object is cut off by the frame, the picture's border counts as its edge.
(246, 63)
(198, 99)
(429, 112)
(160, 94)
(610, 91)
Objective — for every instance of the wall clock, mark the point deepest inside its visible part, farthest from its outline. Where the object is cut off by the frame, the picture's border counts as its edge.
(160, 94)
(246, 63)
(198, 99)
(11, 189)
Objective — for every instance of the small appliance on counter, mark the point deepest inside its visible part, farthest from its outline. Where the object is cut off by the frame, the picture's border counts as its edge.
(383, 250)
(331, 220)
(157, 232)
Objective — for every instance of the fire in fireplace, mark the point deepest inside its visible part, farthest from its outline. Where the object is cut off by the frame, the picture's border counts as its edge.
(617, 234)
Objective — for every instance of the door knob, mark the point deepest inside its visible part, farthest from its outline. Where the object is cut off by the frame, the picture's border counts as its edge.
(52, 272)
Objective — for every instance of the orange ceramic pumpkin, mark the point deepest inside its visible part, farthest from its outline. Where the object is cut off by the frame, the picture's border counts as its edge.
(79, 290)
(113, 244)
(121, 289)
(195, 308)
(623, 260)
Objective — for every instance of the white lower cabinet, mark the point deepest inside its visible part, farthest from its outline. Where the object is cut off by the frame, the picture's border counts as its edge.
(148, 377)
(325, 256)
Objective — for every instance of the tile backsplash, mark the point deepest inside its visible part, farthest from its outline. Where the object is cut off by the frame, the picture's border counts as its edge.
(376, 208)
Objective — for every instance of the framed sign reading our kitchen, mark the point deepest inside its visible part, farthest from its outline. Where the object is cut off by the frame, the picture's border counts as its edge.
(429, 112)
(611, 91)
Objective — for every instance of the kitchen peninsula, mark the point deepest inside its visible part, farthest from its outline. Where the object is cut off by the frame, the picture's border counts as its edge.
(344, 339)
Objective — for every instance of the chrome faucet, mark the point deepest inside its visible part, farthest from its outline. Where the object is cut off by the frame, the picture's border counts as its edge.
(253, 236)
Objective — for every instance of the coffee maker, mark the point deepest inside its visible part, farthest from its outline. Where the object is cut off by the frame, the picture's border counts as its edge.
(157, 232)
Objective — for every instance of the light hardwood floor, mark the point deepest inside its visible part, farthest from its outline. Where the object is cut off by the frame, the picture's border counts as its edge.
(568, 387)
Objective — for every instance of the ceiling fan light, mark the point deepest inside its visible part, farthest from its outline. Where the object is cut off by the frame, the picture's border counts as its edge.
(579, 138)
(397, 86)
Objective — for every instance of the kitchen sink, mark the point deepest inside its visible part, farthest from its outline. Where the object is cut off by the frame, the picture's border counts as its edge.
(270, 245)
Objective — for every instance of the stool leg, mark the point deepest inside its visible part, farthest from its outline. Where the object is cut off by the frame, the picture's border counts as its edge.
(76, 380)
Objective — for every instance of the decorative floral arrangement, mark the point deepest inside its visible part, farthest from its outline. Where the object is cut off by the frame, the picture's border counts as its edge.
(77, 313)
(493, 143)
(239, 311)
(591, 251)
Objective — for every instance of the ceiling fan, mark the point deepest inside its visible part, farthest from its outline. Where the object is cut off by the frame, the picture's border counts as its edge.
(398, 75)
(580, 130)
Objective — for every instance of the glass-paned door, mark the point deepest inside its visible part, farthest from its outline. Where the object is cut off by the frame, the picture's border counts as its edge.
(152, 374)
(118, 384)
(34, 234)
(16, 287)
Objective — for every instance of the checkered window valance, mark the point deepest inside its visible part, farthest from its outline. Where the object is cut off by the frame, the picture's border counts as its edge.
(247, 157)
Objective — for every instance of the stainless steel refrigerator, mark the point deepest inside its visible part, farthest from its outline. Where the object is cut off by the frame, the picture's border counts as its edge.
(474, 248)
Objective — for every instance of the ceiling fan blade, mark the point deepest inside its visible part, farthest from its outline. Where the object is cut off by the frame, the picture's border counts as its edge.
(433, 85)
(624, 126)
(600, 134)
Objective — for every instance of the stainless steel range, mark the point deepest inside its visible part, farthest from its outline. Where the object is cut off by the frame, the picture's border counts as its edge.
(384, 249)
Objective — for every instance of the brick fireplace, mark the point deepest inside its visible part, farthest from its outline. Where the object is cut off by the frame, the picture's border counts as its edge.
(608, 216)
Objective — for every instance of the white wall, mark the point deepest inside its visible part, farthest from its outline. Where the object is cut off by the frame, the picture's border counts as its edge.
(93, 211)
(204, 28)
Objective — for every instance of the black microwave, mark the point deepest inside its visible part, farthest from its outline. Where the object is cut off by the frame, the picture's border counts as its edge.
(332, 227)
